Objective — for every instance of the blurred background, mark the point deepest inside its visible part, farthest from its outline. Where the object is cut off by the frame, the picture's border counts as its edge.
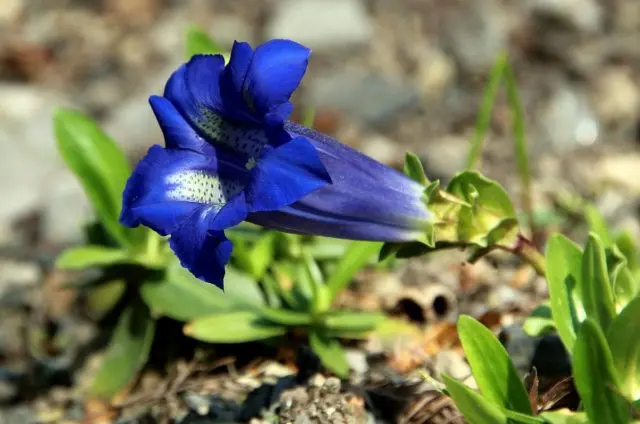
(386, 76)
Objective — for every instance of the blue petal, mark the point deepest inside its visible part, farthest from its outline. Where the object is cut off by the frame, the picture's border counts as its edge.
(232, 81)
(194, 88)
(169, 184)
(177, 132)
(284, 175)
(233, 213)
(203, 252)
(275, 72)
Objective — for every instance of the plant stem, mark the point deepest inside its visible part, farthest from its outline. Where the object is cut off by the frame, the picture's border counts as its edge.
(528, 252)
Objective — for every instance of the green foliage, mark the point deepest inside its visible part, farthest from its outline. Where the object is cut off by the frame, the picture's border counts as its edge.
(299, 289)
(595, 377)
(493, 370)
(234, 327)
(127, 353)
(102, 169)
(484, 114)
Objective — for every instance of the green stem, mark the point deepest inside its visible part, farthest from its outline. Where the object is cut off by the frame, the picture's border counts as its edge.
(527, 251)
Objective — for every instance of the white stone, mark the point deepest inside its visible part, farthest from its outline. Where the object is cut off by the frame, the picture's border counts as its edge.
(321, 24)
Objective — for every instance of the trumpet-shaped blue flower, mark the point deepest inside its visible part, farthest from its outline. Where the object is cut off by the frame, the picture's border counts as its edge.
(232, 155)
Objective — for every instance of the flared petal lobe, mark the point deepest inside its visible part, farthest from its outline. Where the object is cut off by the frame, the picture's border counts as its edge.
(191, 197)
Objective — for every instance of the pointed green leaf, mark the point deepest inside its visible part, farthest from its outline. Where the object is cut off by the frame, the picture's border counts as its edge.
(353, 321)
(484, 116)
(199, 42)
(183, 297)
(598, 225)
(624, 341)
(414, 170)
(285, 317)
(127, 353)
(597, 295)
(330, 352)
(356, 257)
(474, 407)
(624, 286)
(91, 256)
(564, 273)
(492, 368)
(102, 168)
(565, 416)
(102, 298)
(595, 377)
(627, 245)
(233, 327)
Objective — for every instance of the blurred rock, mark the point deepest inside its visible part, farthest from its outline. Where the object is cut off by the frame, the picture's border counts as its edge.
(520, 346)
(382, 149)
(566, 121)
(227, 28)
(626, 16)
(620, 171)
(28, 154)
(475, 31)
(132, 124)
(436, 72)
(585, 15)
(369, 97)
(18, 275)
(616, 96)
(453, 364)
(65, 209)
(322, 25)
(445, 156)
(10, 11)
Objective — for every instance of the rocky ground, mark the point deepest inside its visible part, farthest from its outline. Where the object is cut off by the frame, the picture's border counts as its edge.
(386, 76)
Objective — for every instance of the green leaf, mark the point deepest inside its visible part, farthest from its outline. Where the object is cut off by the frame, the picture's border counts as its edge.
(624, 341)
(183, 297)
(564, 416)
(256, 259)
(598, 225)
(492, 368)
(627, 245)
(564, 273)
(484, 116)
(348, 321)
(233, 327)
(595, 377)
(127, 353)
(540, 322)
(520, 138)
(103, 297)
(91, 256)
(474, 407)
(414, 170)
(597, 295)
(624, 286)
(285, 317)
(199, 42)
(102, 168)
(330, 352)
(325, 248)
(355, 258)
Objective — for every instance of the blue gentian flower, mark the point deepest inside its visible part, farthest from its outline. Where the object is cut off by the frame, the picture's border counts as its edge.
(232, 155)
